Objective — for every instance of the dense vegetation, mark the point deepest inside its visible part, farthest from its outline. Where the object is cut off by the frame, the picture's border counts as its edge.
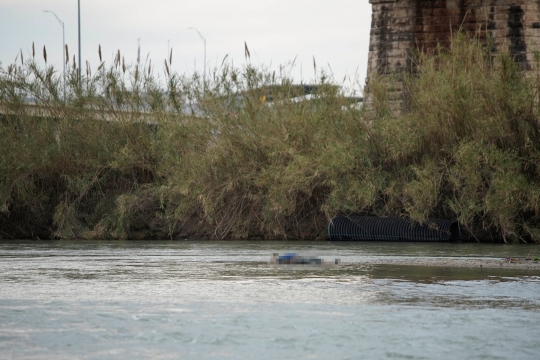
(126, 155)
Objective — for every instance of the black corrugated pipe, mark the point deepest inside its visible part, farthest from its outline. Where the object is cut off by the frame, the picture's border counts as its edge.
(391, 229)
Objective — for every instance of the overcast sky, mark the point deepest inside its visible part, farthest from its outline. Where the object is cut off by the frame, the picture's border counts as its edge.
(335, 33)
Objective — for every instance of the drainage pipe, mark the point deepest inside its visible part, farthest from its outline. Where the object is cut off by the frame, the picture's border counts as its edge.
(392, 229)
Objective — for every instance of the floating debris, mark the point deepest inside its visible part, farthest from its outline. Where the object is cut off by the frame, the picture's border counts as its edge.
(295, 260)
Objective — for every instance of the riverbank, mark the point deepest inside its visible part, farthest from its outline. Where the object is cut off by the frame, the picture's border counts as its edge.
(250, 155)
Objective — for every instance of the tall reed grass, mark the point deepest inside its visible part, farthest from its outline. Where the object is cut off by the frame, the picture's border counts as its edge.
(128, 154)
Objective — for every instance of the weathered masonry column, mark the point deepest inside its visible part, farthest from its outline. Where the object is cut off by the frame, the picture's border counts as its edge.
(401, 26)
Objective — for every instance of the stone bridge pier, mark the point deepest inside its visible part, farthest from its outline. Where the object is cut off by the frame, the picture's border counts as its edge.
(401, 26)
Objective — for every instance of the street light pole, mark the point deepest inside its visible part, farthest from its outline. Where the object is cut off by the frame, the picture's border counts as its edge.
(204, 41)
(63, 48)
(79, 7)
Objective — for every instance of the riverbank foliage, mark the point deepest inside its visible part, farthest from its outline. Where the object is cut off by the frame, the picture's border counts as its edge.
(244, 155)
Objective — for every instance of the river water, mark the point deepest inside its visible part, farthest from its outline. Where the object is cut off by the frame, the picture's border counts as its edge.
(186, 299)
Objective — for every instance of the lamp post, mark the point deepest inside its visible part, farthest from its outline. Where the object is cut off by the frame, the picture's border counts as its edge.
(204, 41)
(79, 8)
(63, 48)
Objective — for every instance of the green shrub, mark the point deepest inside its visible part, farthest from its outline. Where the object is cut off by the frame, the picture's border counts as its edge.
(243, 155)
